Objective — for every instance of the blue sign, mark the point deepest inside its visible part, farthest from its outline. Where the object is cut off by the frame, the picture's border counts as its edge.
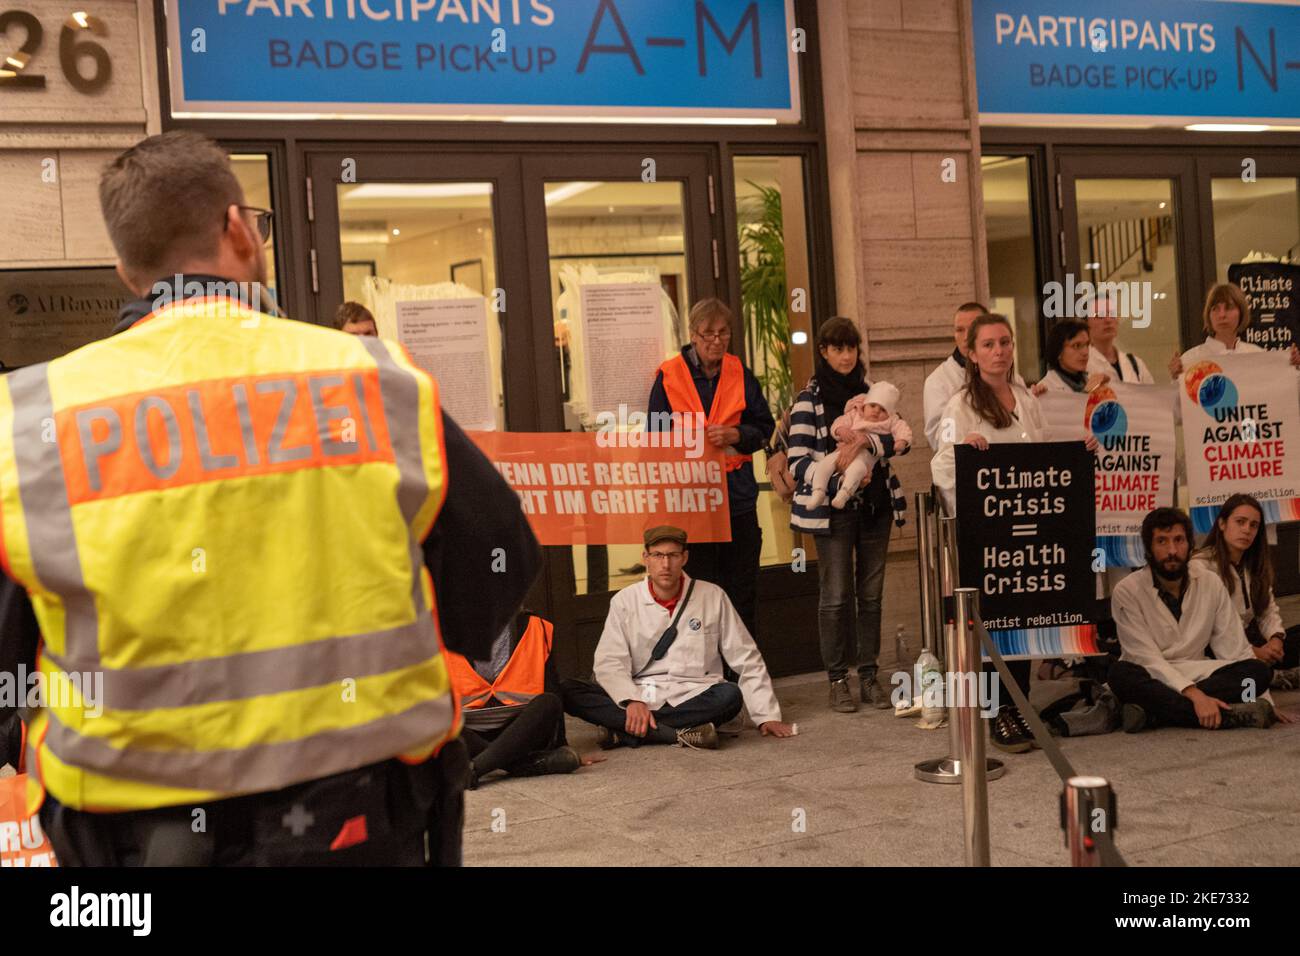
(1160, 60)
(725, 59)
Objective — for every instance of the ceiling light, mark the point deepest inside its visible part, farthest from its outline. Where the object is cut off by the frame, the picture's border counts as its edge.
(567, 191)
(418, 191)
(397, 232)
(1227, 128)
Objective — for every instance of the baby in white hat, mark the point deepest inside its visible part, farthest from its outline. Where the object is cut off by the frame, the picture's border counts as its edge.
(872, 413)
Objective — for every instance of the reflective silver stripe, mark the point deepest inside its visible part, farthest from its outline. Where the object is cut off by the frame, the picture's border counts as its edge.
(400, 394)
(161, 472)
(280, 670)
(262, 766)
(401, 397)
(48, 517)
(509, 697)
(470, 699)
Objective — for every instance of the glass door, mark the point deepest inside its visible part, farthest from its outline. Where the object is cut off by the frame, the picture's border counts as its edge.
(418, 241)
(633, 218)
(1130, 237)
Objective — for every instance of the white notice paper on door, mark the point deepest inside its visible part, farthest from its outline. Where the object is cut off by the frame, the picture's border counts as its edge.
(622, 326)
(448, 339)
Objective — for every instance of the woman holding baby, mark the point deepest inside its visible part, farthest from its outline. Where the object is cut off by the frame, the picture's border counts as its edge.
(843, 430)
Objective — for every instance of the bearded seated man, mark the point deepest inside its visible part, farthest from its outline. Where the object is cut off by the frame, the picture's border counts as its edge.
(1185, 660)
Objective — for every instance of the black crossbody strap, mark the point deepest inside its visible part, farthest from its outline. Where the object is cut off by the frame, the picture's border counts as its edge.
(666, 639)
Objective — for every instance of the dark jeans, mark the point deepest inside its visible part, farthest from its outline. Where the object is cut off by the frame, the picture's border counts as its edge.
(537, 725)
(1290, 645)
(851, 575)
(296, 826)
(714, 705)
(1133, 684)
(733, 566)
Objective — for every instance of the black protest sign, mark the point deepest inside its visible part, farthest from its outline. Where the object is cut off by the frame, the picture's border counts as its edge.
(1025, 533)
(1273, 289)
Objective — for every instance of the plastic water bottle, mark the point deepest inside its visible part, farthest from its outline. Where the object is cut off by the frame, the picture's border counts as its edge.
(928, 672)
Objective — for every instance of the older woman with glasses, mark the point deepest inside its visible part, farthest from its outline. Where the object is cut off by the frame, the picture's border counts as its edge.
(707, 380)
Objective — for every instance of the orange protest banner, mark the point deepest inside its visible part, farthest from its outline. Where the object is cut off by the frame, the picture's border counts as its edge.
(22, 841)
(592, 488)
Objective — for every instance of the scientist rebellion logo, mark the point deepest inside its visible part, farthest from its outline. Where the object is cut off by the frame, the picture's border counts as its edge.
(1209, 388)
(1104, 416)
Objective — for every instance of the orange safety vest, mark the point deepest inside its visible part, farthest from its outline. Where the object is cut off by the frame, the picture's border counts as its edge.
(218, 515)
(522, 679)
(728, 398)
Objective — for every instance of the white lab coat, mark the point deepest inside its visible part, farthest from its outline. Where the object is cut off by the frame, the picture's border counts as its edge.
(1270, 618)
(1212, 348)
(710, 631)
(1053, 382)
(1097, 364)
(1171, 650)
(1028, 425)
(940, 386)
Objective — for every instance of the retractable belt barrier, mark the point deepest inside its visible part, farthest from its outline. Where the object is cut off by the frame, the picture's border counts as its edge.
(1084, 797)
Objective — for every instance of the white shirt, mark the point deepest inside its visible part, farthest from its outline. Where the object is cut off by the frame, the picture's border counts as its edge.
(1212, 347)
(1053, 382)
(940, 386)
(1097, 364)
(1172, 650)
(1269, 618)
(1027, 425)
(709, 632)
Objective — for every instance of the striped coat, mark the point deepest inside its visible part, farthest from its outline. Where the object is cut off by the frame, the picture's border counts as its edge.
(810, 441)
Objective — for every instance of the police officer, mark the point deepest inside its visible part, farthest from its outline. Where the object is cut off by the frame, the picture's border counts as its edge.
(247, 541)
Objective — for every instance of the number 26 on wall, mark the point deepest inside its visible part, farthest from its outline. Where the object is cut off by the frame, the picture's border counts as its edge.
(13, 66)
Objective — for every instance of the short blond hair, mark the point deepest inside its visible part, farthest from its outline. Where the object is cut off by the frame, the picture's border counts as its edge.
(1228, 294)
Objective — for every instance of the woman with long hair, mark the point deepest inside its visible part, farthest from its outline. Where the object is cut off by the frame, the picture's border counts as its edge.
(1239, 553)
(852, 543)
(991, 409)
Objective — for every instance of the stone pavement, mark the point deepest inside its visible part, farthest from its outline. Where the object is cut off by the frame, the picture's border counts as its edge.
(1186, 797)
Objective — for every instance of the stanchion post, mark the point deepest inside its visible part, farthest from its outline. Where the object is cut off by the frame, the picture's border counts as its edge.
(964, 668)
(1086, 808)
(927, 566)
(963, 722)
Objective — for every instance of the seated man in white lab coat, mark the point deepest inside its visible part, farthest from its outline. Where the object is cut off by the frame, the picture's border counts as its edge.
(650, 689)
(1169, 614)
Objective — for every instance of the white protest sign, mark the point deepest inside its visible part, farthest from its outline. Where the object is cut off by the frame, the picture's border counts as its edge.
(448, 339)
(1240, 413)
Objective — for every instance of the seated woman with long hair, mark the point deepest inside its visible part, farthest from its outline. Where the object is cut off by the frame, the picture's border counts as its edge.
(1236, 549)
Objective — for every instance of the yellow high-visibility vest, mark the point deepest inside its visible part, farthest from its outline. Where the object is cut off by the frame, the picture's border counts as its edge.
(218, 516)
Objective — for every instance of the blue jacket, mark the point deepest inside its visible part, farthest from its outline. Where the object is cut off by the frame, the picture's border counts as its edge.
(756, 425)
(810, 441)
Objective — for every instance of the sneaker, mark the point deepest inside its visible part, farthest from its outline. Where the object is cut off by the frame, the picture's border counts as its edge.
(1258, 714)
(870, 692)
(701, 737)
(1133, 718)
(1006, 734)
(608, 739)
(1286, 679)
(1024, 728)
(735, 726)
(842, 697)
(559, 760)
